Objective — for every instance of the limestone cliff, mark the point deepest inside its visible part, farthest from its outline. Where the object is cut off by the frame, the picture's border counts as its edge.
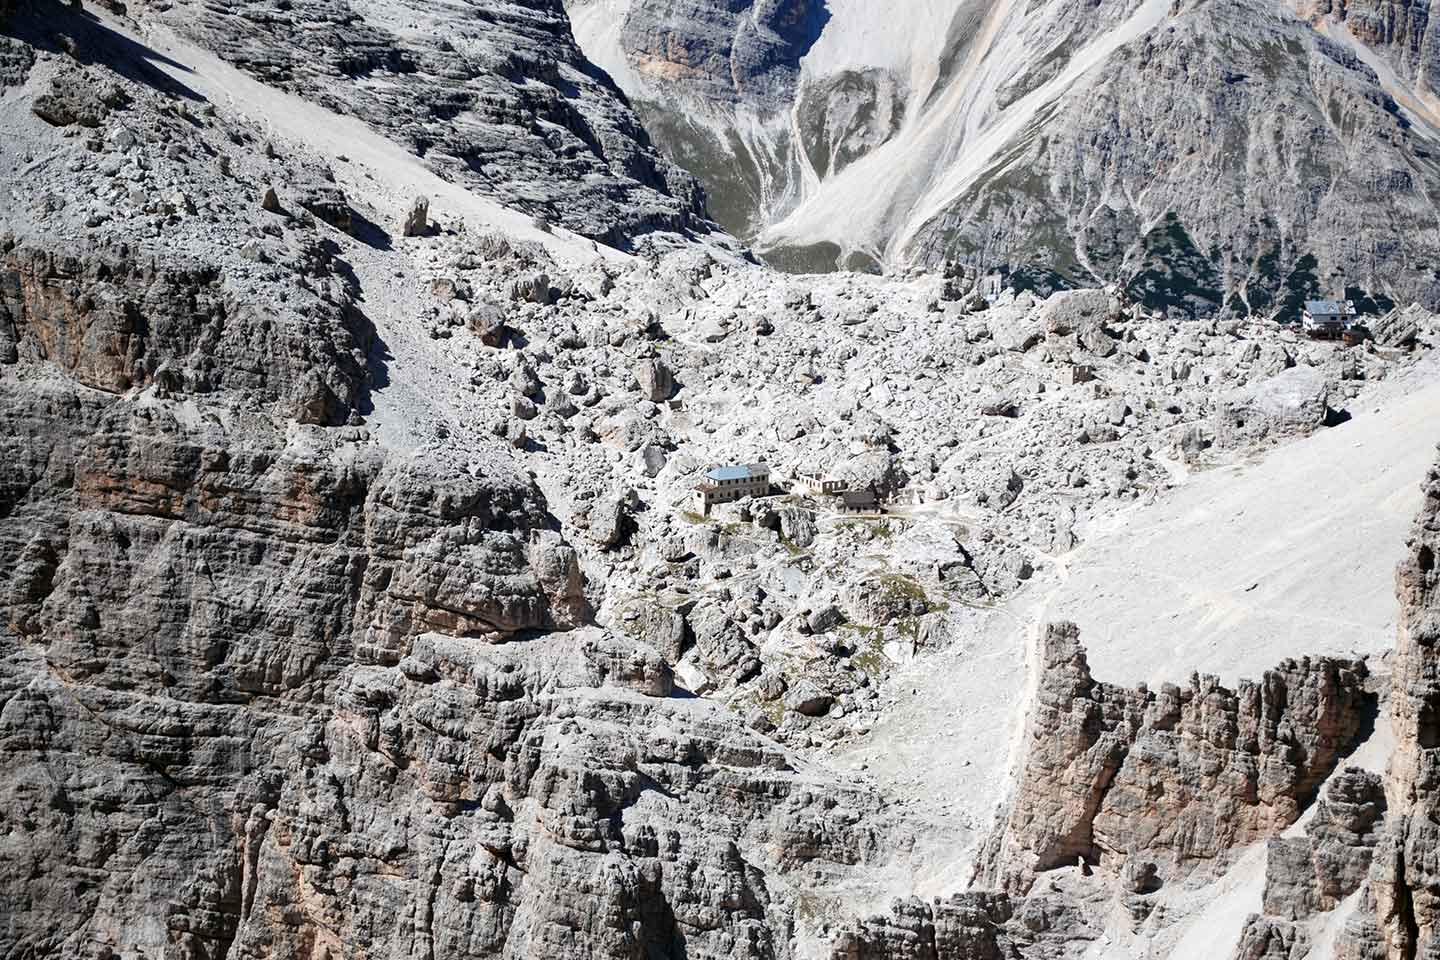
(1182, 776)
(493, 95)
(1403, 878)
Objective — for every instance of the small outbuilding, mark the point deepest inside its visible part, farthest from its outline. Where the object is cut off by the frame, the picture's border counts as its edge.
(859, 501)
(818, 484)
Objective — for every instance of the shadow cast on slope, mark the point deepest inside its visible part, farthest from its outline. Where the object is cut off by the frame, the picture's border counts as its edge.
(61, 29)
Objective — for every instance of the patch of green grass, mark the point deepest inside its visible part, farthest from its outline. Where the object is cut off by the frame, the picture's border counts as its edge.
(773, 709)
(793, 548)
(869, 655)
(901, 586)
(691, 516)
(879, 529)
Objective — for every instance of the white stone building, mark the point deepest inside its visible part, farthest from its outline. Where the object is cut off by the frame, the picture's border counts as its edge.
(730, 483)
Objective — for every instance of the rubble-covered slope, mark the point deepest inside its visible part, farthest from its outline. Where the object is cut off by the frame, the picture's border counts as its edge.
(356, 601)
(494, 96)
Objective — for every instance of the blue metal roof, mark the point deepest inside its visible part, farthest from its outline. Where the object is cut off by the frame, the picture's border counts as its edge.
(1324, 306)
(739, 471)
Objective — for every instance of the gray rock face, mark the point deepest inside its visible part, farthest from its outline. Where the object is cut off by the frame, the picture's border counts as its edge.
(1100, 755)
(1292, 403)
(1307, 875)
(253, 690)
(1401, 326)
(501, 101)
(1403, 919)
(750, 49)
(808, 699)
(1224, 203)
(797, 525)
(1268, 939)
(1165, 256)
(84, 99)
(111, 321)
(725, 60)
(975, 925)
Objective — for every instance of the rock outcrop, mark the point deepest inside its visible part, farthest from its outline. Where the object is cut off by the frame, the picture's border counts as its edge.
(967, 925)
(1182, 775)
(1401, 326)
(734, 66)
(501, 101)
(1267, 939)
(1405, 875)
(1312, 874)
(1290, 404)
(113, 321)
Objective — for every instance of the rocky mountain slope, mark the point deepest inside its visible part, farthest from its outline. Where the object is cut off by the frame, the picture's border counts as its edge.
(356, 600)
(494, 96)
(1213, 156)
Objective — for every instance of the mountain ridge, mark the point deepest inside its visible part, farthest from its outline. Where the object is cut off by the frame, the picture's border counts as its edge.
(1065, 138)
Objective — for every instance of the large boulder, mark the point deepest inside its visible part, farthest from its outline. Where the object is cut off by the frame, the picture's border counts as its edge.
(877, 470)
(884, 599)
(326, 202)
(1400, 327)
(808, 699)
(417, 219)
(1082, 314)
(1292, 403)
(721, 648)
(655, 380)
(797, 525)
(610, 520)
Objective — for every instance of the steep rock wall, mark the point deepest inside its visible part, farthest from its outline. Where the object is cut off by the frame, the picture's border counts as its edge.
(1405, 876)
(493, 95)
(1181, 776)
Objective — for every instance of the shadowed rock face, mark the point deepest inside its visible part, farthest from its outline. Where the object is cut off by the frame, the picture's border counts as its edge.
(1182, 776)
(494, 95)
(748, 51)
(1268, 939)
(112, 321)
(982, 926)
(1311, 874)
